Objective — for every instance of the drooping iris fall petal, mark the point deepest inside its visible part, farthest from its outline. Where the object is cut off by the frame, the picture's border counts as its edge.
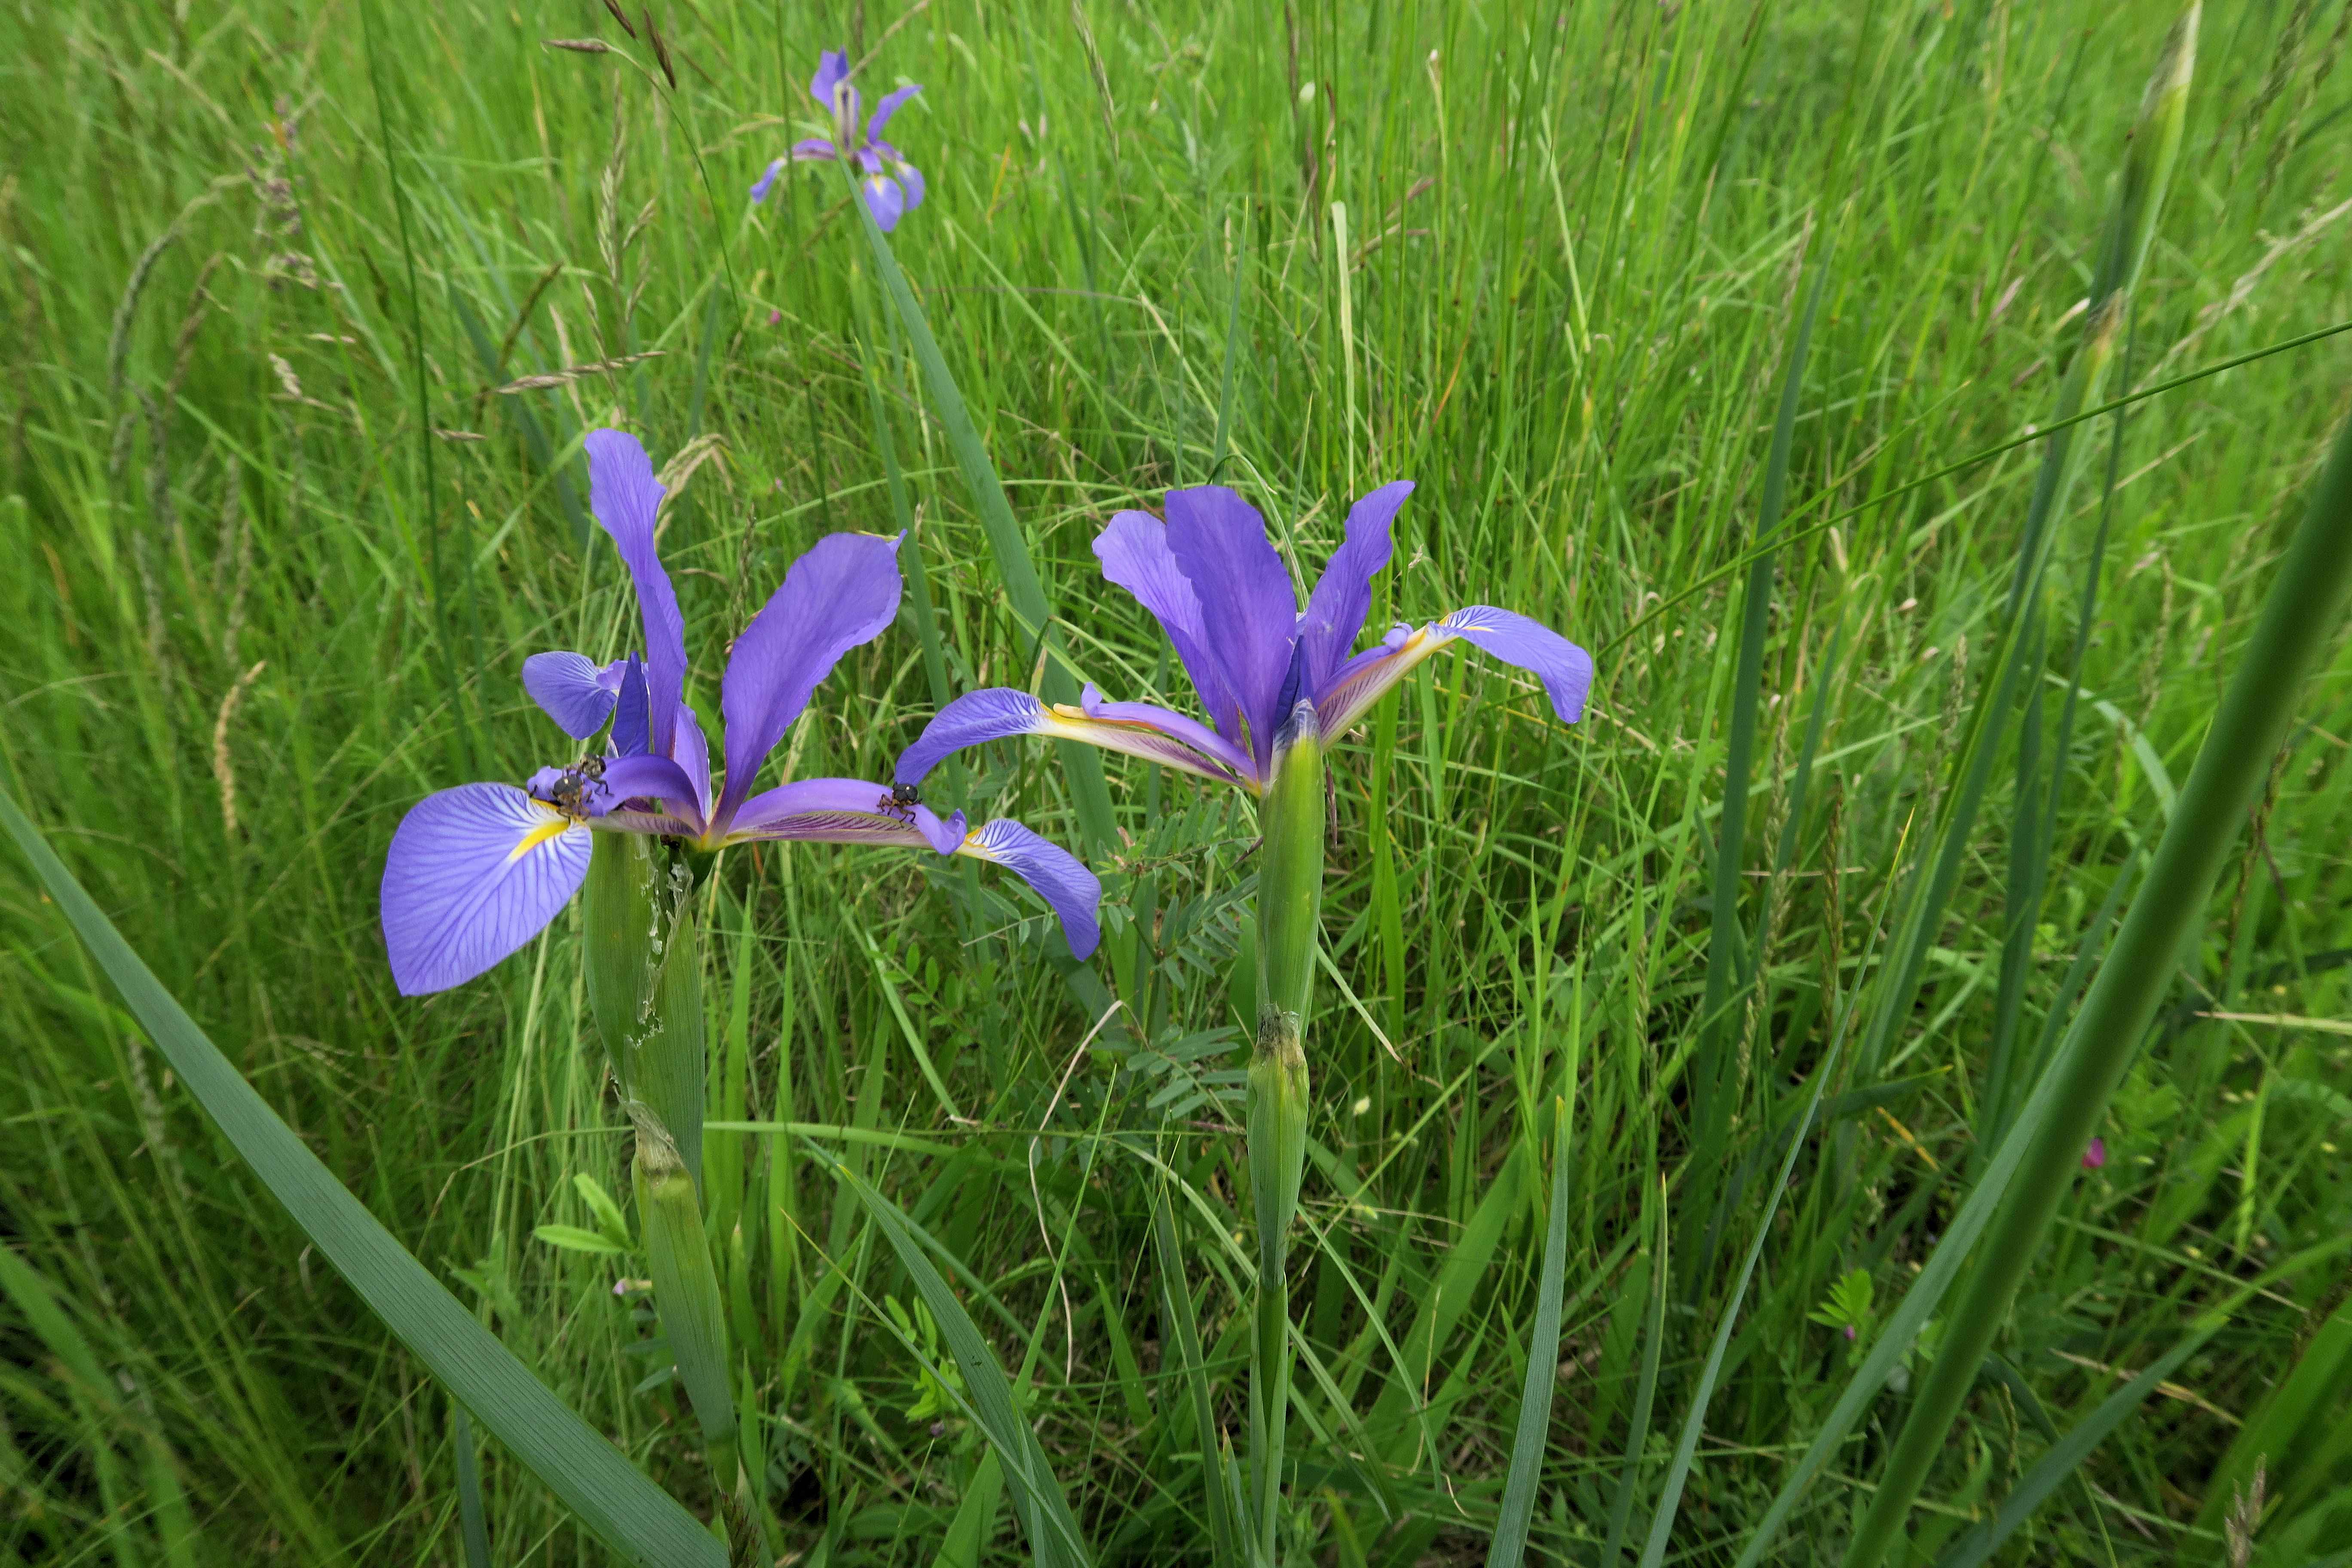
(473, 873)
(572, 690)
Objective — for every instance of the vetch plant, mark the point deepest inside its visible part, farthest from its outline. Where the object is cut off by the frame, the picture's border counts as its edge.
(1280, 684)
(892, 186)
(476, 871)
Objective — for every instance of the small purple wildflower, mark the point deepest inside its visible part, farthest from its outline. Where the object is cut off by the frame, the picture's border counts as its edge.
(1850, 1332)
(1224, 597)
(476, 871)
(892, 185)
(2095, 1154)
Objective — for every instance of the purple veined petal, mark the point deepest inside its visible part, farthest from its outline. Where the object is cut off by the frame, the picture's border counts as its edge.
(1335, 610)
(473, 873)
(691, 752)
(884, 199)
(1069, 890)
(573, 690)
(1248, 606)
(1565, 670)
(841, 594)
(766, 182)
(889, 107)
(1133, 551)
(640, 778)
(815, 150)
(832, 69)
(631, 733)
(911, 181)
(1190, 734)
(993, 713)
(626, 497)
(844, 811)
(868, 160)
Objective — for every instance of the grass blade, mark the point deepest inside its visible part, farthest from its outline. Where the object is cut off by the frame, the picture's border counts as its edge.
(1637, 1430)
(1024, 590)
(1510, 1541)
(472, 1523)
(1053, 1534)
(1184, 1339)
(625, 1510)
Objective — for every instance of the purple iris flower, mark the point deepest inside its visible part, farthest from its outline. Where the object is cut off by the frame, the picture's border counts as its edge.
(476, 871)
(892, 185)
(1222, 595)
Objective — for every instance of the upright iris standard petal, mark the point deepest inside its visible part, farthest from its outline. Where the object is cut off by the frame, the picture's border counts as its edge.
(1336, 609)
(572, 690)
(1071, 890)
(843, 593)
(1248, 608)
(691, 752)
(475, 872)
(1134, 554)
(889, 107)
(627, 496)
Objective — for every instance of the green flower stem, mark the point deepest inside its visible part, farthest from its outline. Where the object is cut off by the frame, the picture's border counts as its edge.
(2306, 601)
(1289, 911)
(645, 990)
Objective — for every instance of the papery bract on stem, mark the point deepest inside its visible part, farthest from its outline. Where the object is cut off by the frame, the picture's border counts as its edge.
(476, 871)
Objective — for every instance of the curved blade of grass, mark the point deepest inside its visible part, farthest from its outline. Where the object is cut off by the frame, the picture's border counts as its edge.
(593, 1479)
(1637, 1431)
(1053, 1534)
(1184, 1339)
(1724, 943)
(1024, 590)
(1510, 1541)
(2054, 1466)
(1662, 1522)
(471, 1521)
(2301, 615)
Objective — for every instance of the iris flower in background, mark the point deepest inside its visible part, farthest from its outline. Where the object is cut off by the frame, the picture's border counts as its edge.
(1220, 591)
(476, 871)
(891, 185)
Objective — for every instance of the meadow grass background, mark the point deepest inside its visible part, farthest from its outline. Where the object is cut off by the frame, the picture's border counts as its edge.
(250, 611)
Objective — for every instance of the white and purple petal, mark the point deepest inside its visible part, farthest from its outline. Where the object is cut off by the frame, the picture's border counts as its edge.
(1248, 608)
(889, 107)
(844, 811)
(1190, 734)
(1565, 670)
(626, 497)
(473, 873)
(1133, 551)
(574, 690)
(1069, 890)
(884, 199)
(841, 594)
(993, 713)
(1336, 609)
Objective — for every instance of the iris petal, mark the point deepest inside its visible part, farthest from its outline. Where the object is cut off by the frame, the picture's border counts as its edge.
(1071, 890)
(1248, 608)
(474, 872)
(884, 199)
(627, 496)
(1134, 554)
(992, 713)
(766, 182)
(1335, 610)
(841, 594)
(889, 107)
(844, 811)
(573, 690)
(1565, 670)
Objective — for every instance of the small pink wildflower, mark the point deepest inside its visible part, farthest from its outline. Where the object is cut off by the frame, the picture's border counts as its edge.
(2095, 1155)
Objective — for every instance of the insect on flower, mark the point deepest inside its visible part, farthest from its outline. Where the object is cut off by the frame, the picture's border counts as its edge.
(1214, 581)
(476, 871)
(892, 186)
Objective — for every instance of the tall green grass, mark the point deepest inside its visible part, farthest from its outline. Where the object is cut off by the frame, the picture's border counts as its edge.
(245, 621)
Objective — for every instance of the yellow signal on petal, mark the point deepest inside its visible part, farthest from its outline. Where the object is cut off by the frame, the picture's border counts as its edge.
(556, 825)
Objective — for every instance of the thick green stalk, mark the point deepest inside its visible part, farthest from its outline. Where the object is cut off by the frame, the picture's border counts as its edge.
(644, 960)
(2299, 619)
(1289, 911)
